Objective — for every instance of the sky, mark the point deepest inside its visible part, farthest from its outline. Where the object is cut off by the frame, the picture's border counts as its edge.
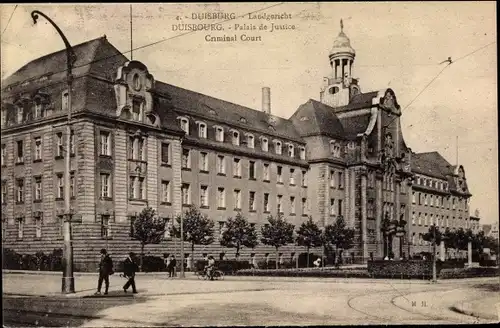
(398, 45)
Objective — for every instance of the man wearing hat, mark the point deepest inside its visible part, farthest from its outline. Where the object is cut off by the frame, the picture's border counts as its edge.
(105, 270)
(129, 270)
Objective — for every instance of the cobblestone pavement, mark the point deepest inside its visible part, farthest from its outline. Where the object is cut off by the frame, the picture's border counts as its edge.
(31, 300)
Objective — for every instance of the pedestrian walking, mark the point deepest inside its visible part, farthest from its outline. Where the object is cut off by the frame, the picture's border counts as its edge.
(105, 270)
(129, 270)
(173, 264)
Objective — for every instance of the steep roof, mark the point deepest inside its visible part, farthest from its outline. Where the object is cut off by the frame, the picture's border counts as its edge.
(90, 57)
(355, 125)
(187, 101)
(432, 164)
(314, 117)
(361, 100)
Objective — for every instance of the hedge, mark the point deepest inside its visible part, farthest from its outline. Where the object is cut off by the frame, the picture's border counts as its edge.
(316, 272)
(469, 273)
(226, 266)
(11, 260)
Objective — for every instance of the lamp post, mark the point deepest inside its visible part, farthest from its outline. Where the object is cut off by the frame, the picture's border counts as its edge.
(182, 246)
(434, 278)
(68, 280)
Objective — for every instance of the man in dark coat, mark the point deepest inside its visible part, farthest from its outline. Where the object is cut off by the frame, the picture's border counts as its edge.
(105, 270)
(129, 270)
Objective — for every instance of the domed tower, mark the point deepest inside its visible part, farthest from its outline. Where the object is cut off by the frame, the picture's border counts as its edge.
(339, 87)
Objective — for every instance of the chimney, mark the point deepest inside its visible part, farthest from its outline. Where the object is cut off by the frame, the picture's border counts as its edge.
(266, 100)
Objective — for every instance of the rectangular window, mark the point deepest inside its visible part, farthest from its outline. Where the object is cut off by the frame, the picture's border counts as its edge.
(72, 142)
(72, 185)
(291, 151)
(339, 202)
(304, 206)
(20, 228)
(280, 174)
(4, 192)
(236, 138)
(332, 178)
(38, 227)
(250, 141)
(221, 197)
(105, 185)
(132, 226)
(165, 153)
(20, 152)
(251, 170)
(105, 227)
(266, 172)
(60, 186)
(304, 178)
(20, 191)
(267, 207)
(237, 199)
(292, 177)
(165, 191)
(236, 167)
(140, 188)
(278, 147)
(59, 144)
(413, 218)
(221, 165)
(279, 203)
(426, 222)
(38, 109)
(340, 181)
(251, 201)
(38, 188)
(332, 206)
(38, 149)
(137, 110)
(20, 114)
(425, 199)
(186, 195)
(203, 161)
(413, 197)
(186, 159)
(105, 143)
(292, 205)
(4, 154)
(419, 218)
(202, 131)
(204, 196)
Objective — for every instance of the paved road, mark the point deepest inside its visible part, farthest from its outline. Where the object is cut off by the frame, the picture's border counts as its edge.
(241, 301)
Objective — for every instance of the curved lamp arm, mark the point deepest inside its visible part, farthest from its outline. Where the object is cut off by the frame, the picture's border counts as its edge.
(71, 56)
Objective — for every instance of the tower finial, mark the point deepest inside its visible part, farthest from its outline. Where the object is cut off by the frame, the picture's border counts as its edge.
(341, 25)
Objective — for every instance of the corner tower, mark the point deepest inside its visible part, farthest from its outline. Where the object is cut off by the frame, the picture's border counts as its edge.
(340, 87)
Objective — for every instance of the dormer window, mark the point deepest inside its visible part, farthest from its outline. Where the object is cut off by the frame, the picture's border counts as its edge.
(236, 138)
(303, 153)
(250, 141)
(184, 122)
(202, 130)
(334, 149)
(64, 100)
(291, 150)
(265, 144)
(38, 108)
(137, 110)
(4, 117)
(20, 114)
(219, 133)
(277, 147)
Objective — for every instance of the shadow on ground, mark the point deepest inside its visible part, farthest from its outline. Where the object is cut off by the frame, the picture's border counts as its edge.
(60, 311)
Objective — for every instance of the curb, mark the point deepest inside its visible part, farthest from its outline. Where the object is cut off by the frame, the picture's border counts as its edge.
(476, 314)
(84, 273)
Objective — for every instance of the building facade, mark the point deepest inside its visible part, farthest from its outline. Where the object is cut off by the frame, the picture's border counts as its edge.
(139, 142)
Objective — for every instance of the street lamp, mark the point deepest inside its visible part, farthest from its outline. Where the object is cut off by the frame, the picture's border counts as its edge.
(434, 278)
(68, 280)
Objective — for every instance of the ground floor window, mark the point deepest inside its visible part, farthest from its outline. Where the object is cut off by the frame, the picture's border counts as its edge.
(105, 226)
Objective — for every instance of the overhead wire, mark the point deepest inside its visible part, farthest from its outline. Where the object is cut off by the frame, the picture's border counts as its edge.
(11, 14)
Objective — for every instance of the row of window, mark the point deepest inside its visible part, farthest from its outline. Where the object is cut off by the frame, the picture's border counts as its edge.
(336, 179)
(438, 220)
(432, 183)
(19, 188)
(37, 149)
(237, 199)
(236, 139)
(236, 167)
(439, 201)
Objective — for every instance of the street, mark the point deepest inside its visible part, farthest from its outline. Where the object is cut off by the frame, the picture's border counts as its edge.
(33, 300)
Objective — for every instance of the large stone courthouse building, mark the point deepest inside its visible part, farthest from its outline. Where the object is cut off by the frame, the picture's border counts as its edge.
(137, 141)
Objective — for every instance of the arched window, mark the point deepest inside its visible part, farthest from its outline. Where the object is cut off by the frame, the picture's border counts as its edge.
(250, 141)
(235, 137)
(264, 144)
(202, 130)
(277, 147)
(291, 150)
(219, 133)
(184, 123)
(303, 152)
(64, 100)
